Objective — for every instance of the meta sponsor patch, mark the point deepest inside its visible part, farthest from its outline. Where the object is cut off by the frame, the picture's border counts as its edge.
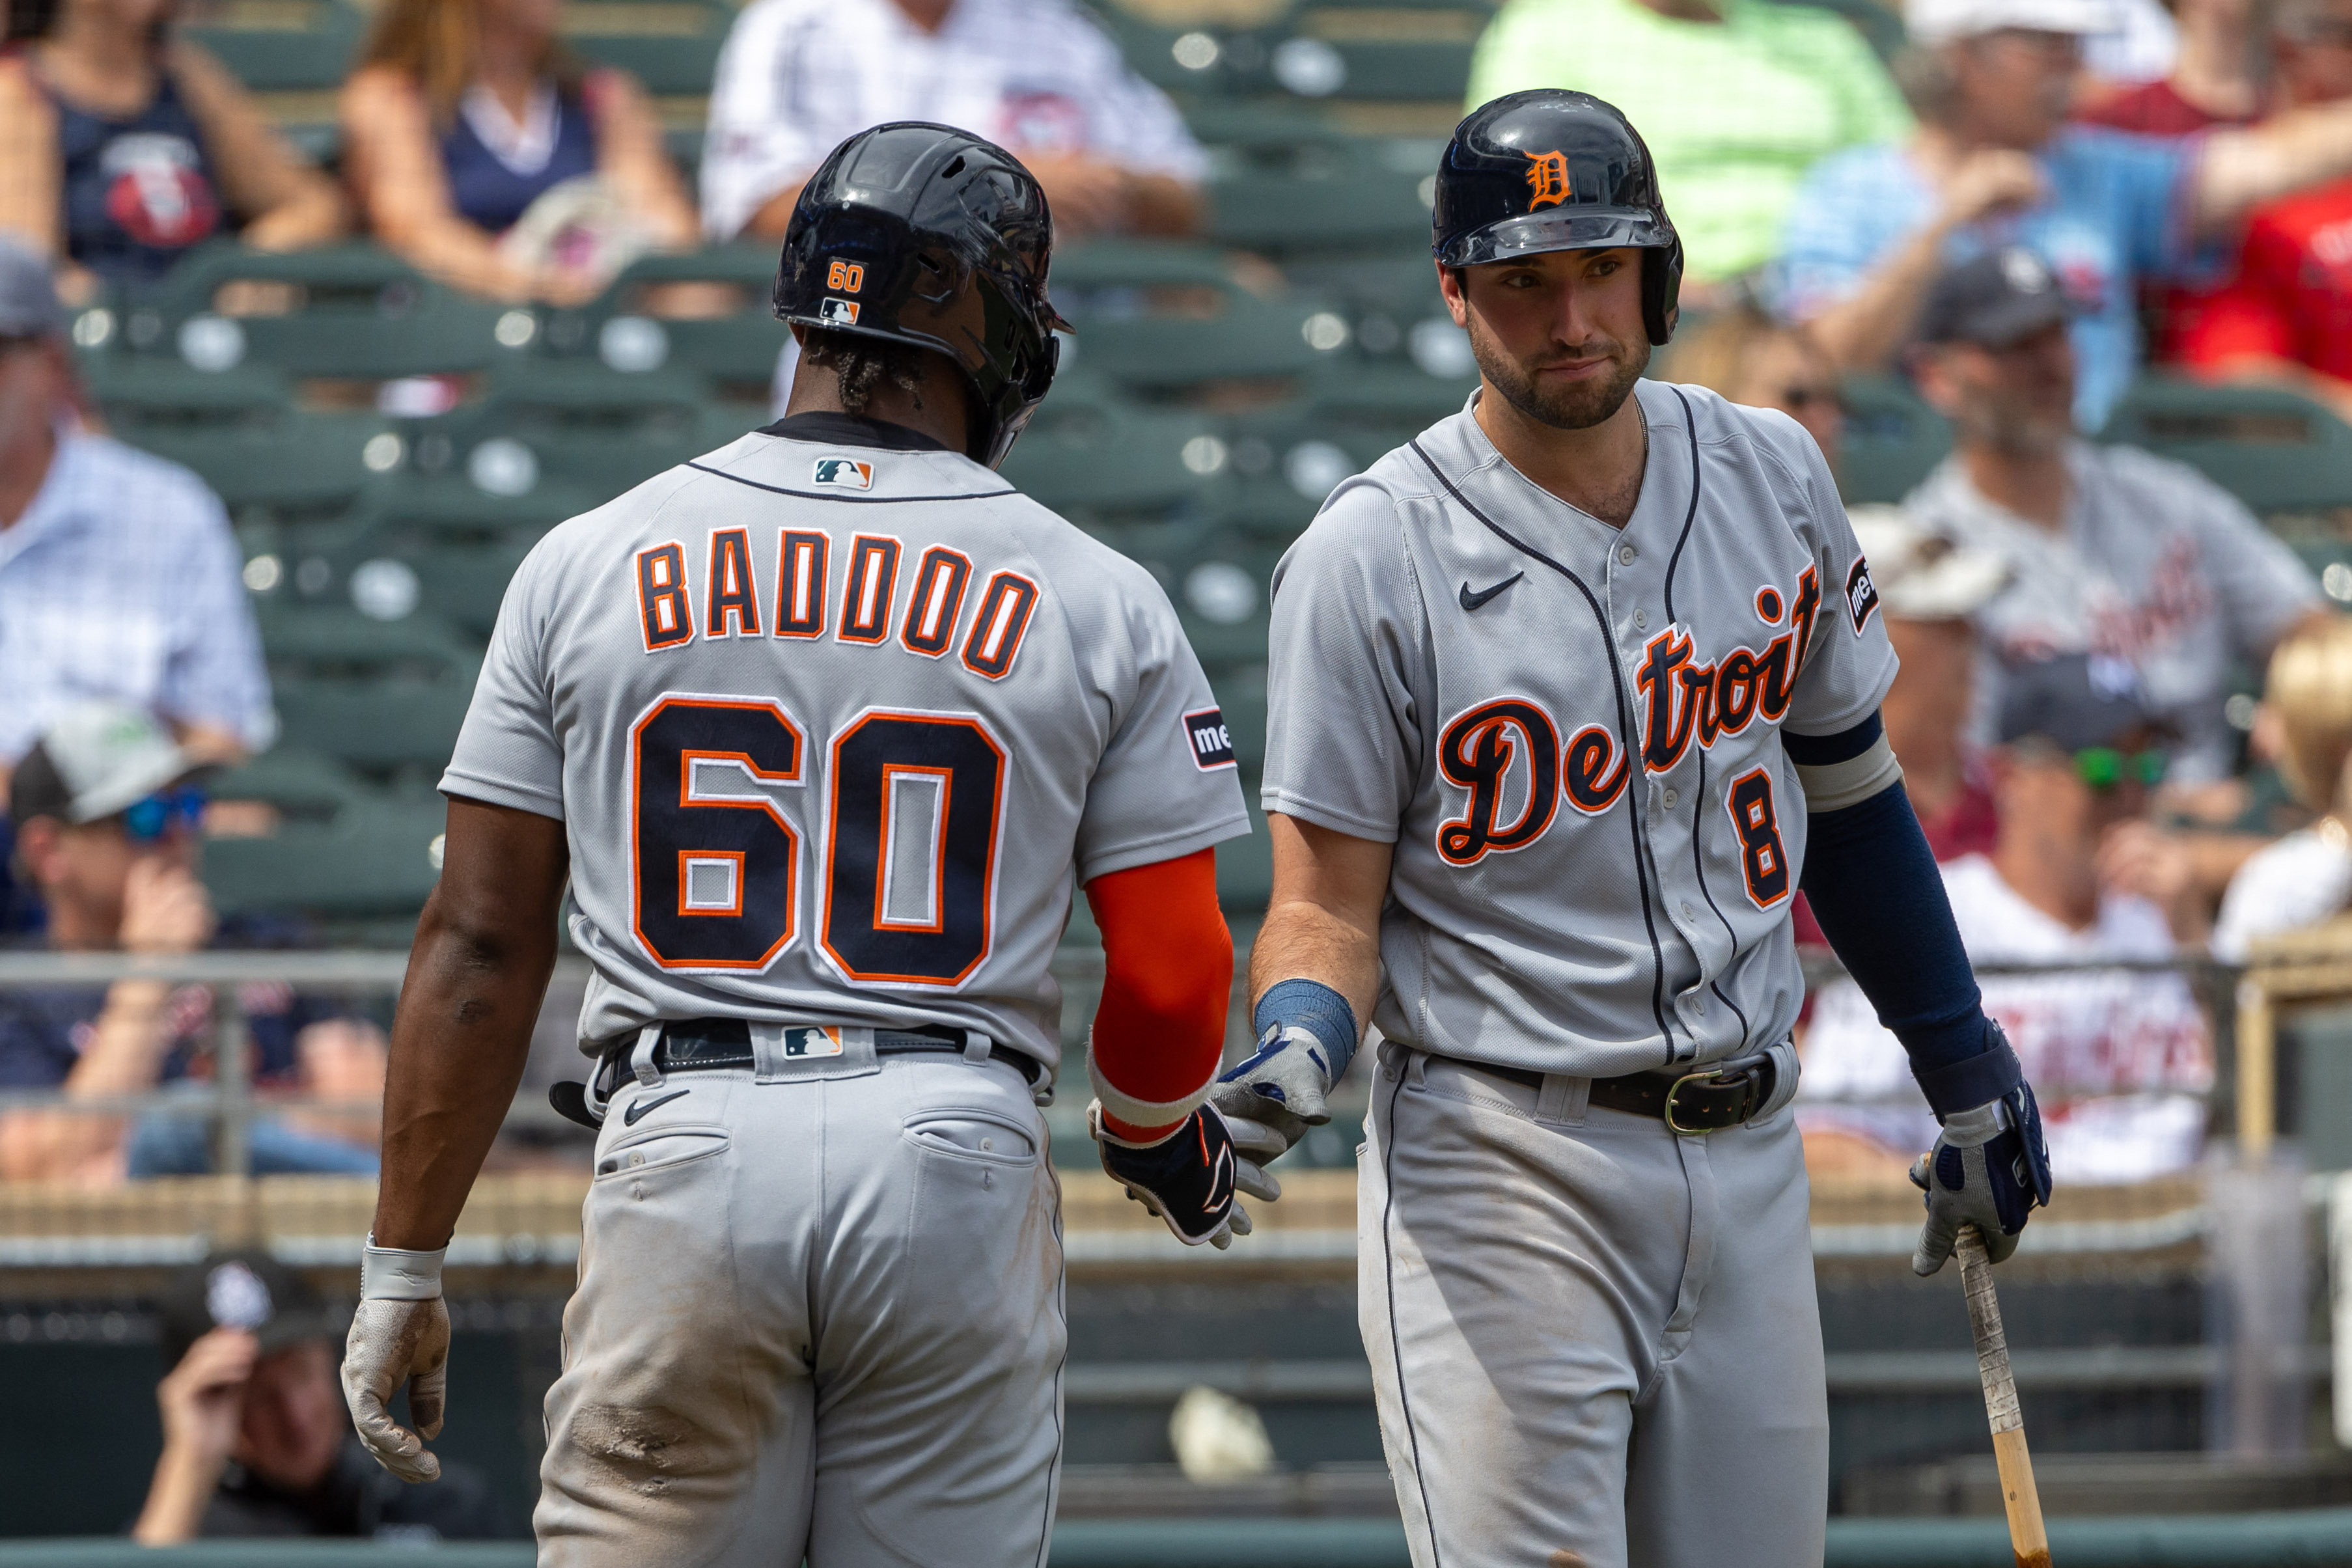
(837, 312)
(843, 474)
(1212, 742)
(1861, 594)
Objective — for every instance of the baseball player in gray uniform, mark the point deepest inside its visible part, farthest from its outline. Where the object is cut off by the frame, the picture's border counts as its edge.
(1569, 695)
(823, 726)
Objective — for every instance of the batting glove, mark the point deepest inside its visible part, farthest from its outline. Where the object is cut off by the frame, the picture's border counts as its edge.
(1307, 1038)
(1990, 1169)
(1185, 1177)
(400, 1334)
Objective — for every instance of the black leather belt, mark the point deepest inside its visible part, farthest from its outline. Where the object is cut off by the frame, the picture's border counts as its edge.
(703, 1045)
(1707, 1100)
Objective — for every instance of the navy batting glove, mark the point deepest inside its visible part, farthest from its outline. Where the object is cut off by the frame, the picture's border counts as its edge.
(1186, 1177)
(1991, 1169)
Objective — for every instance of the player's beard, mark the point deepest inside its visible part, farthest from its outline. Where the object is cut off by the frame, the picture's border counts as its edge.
(1579, 405)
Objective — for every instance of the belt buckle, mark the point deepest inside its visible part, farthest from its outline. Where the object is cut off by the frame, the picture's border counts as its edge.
(1705, 1075)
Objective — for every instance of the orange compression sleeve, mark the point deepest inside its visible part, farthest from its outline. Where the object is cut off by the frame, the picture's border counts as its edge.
(1167, 977)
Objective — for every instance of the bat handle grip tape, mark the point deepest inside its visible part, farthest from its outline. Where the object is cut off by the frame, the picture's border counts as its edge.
(1993, 1341)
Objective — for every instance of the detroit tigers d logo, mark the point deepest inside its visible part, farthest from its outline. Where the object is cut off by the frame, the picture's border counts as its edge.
(1546, 178)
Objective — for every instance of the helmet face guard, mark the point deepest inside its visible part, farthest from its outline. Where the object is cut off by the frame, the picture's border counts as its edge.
(928, 236)
(1551, 169)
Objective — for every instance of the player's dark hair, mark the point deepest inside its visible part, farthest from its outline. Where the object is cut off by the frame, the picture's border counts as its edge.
(861, 363)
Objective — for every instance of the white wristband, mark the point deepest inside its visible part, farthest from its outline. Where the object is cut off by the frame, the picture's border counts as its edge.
(389, 1274)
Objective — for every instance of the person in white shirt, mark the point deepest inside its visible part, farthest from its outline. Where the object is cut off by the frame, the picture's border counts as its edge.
(1037, 77)
(2124, 1055)
(2305, 877)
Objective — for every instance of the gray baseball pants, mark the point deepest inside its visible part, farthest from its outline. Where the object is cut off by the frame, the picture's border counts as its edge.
(820, 1315)
(1595, 1344)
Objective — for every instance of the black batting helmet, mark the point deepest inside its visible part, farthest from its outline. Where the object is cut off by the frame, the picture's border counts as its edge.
(927, 236)
(1555, 170)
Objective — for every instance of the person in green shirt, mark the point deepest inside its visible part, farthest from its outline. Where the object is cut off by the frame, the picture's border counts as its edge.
(1736, 98)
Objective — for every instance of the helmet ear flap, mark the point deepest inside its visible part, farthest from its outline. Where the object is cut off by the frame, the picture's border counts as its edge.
(1662, 287)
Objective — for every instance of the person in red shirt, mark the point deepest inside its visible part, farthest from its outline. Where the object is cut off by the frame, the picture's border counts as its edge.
(2287, 315)
(2216, 79)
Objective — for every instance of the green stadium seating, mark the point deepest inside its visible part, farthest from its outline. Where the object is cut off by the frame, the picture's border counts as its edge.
(1094, 455)
(289, 460)
(375, 725)
(1347, 206)
(1245, 866)
(1893, 439)
(1190, 329)
(146, 387)
(377, 859)
(331, 639)
(304, 786)
(352, 311)
(670, 46)
(1882, 25)
(736, 349)
(277, 46)
(2273, 449)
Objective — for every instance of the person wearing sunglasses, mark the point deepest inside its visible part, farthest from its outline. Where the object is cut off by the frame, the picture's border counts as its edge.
(2069, 880)
(110, 811)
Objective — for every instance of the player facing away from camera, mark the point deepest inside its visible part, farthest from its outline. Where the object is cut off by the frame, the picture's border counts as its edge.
(823, 726)
(1569, 695)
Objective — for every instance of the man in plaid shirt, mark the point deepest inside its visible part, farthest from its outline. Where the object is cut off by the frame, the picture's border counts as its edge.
(118, 577)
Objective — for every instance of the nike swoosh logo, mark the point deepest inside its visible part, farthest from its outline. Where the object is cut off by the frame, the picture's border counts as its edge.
(629, 1117)
(1474, 601)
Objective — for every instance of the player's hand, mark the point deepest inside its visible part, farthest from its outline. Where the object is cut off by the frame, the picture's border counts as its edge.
(1990, 1169)
(202, 1400)
(400, 1334)
(1273, 1098)
(1186, 1177)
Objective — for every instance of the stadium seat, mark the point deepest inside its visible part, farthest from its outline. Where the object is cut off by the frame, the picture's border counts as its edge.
(375, 725)
(350, 312)
(1893, 439)
(1176, 336)
(1398, 50)
(1096, 456)
(302, 784)
(378, 858)
(1881, 23)
(1342, 204)
(145, 387)
(670, 46)
(277, 45)
(333, 639)
(2273, 449)
(736, 348)
(291, 461)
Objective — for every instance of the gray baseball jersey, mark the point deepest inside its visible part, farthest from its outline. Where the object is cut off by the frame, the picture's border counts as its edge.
(1571, 732)
(829, 725)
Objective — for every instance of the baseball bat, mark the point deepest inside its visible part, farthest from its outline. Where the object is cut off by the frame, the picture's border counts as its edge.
(2027, 1538)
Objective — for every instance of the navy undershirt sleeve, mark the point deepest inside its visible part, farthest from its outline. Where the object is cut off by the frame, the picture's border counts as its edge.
(1872, 881)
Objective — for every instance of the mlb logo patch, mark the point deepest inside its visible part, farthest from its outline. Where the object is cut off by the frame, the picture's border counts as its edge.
(843, 474)
(808, 1042)
(1211, 743)
(837, 312)
(1861, 594)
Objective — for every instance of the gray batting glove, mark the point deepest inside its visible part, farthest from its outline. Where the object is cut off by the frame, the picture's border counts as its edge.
(1271, 1100)
(1990, 1169)
(400, 1334)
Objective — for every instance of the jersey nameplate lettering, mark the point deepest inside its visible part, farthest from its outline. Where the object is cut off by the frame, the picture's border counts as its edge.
(1212, 742)
(945, 595)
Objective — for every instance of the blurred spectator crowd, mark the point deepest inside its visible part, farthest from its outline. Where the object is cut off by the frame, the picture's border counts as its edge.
(2126, 701)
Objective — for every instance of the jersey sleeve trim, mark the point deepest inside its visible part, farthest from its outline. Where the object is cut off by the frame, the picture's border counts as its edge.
(1285, 804)
(1166, 847)
(463, 785)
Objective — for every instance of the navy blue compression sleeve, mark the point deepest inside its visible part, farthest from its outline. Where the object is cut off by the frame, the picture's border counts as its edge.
(1872, 881)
